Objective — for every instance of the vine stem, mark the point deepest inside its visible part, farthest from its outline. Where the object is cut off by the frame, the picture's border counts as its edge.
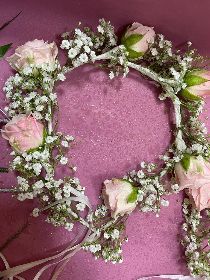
(14, 236)
(151, 74)
(4, 114)
(180, 144)
(107, 55)
(8, 190)
(4, 170)
(50, 121)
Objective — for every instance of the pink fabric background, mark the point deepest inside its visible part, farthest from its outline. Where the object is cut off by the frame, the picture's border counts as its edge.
(116, 123)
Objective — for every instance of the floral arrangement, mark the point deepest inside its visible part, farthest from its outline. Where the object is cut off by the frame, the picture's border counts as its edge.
(38, 148)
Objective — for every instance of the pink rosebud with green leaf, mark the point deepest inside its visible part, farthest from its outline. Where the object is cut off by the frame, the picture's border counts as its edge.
(120, 196)
(24, 133)
(198, 84)
(137, 39)
(193, 174)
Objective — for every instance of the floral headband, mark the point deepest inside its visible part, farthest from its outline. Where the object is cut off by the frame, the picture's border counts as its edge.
(38, 148)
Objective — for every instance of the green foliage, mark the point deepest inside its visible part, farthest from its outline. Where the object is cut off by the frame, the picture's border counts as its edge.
(4, 49)
(186, 161)
(186, 94)
(129, 41)
(133, 196)
(193, 80)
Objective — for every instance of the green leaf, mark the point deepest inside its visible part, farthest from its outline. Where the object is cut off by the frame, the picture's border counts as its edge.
(133, 195)
(4, 49)
(41, 147)
(193, 80)
(186, 94)
(131, 40)
(133, 54)
(185, 162)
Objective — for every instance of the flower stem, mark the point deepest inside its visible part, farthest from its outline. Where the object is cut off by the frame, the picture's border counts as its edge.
(14, 236)
(107, 55)
(4, 170)
(8, 190)
(4, 114)
(150, 74)
(50, 121)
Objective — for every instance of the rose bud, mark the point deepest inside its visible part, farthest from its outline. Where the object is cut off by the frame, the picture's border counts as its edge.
(23, 133)
(35, 52)
(198, 84)
(137, 39)
(193, 174)
(119, 196)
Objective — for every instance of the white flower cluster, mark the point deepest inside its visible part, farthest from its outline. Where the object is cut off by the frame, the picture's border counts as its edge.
(93, 248)
(197, 130)
(101, 211)
(109, 250)
(118, 62)
(24, 97)
(106, 232)
(31, 92)
(194, 242)
(79, 48)
(150, 188)
(170, 158)
(85, 43)
(27, 191)
(167, 63)
(56, 195)
(114, 255)
(106, 34)
(114, 234)
(33, 162)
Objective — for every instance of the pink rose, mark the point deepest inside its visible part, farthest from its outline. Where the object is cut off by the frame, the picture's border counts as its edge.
(198, 84)
(137, 39)
(34, 52)
(196, 178)
(23, 133)
(119, 196)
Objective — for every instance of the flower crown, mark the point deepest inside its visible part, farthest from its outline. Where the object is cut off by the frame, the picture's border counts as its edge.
(38, 148)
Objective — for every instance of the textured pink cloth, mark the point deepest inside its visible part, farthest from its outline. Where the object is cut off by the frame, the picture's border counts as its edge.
(116, 123)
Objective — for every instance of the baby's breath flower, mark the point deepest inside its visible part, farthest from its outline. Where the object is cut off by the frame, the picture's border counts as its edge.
(111, 75)
(83, 58)
(65, 44)
(72, 53)
(69, 138)
(65, 144)
(69, 226)
(35, 212)
(64, 160)
(61, 77)
(80, 207)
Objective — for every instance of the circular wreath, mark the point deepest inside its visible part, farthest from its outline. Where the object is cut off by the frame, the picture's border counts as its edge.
(38, 148)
